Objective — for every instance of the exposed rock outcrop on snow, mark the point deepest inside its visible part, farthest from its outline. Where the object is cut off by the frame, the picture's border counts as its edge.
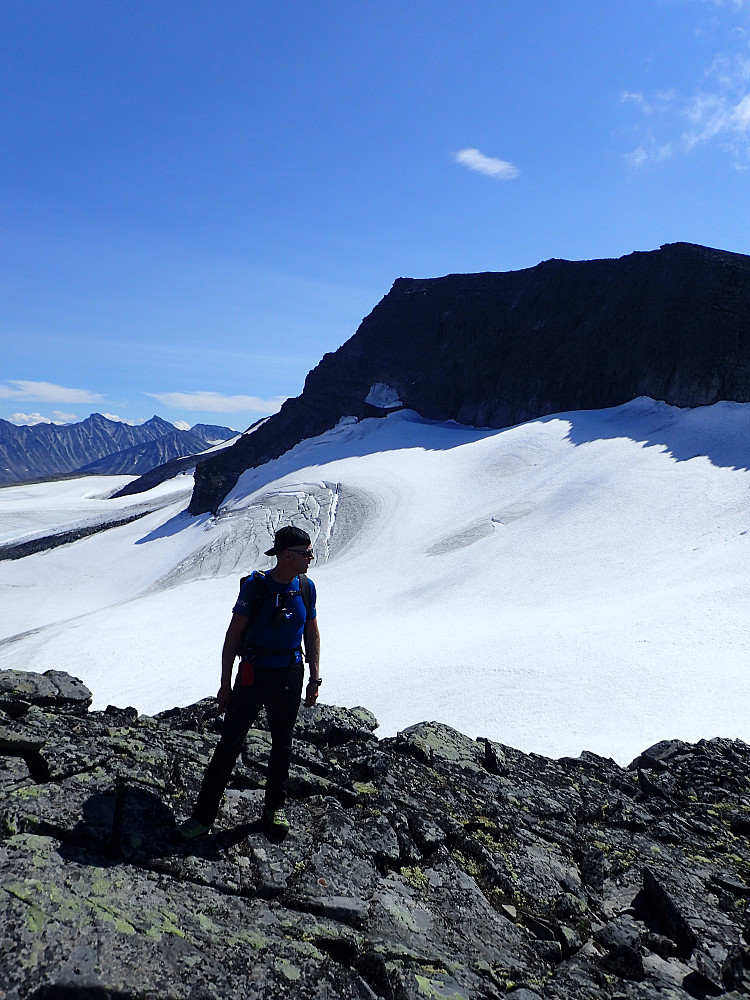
(497, 349)
(428, 865)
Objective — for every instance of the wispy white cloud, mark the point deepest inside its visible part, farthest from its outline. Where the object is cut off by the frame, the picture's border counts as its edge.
(662, 101)
(216, 402)
(736, 4)
(28, 419)
(649, 152)
(638, 157)
(716, 112)
(46, 392)
(31, 419)
(718, 115)
(501, 170)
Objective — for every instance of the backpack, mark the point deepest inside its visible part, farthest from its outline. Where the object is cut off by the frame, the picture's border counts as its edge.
(262, 593)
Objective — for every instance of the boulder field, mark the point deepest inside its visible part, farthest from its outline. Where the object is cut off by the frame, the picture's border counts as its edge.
(428, 865)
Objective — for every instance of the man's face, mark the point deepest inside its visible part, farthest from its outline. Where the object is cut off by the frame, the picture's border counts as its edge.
(301, 556)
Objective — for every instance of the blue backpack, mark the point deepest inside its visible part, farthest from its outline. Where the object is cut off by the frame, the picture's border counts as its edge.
(263, 594)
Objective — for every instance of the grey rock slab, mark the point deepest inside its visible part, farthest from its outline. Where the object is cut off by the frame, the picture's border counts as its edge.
(347, 909)
(72, 693)
(710, 940)
(330, 725)
(447, 915)
(622, 932)
(53, 689)
(14, 773)
(57, 746)
(427, 834)
(660, 755)
(29, 687)
(344, 853)
(198, 716)
(113, 927)
(17, 741)
(81, 808)
(431, 742)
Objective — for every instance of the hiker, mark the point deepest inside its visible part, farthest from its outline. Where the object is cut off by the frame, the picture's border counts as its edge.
(273, 613)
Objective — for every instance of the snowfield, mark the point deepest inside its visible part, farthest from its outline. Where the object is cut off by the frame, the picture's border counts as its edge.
(581, 581)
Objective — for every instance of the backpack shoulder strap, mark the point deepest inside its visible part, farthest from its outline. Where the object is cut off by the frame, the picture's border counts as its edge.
(306, 591)
(260, 595)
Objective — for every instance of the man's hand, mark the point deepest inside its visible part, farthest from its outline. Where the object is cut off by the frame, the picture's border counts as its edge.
(311, 694)
(223, 696)
(312, 655)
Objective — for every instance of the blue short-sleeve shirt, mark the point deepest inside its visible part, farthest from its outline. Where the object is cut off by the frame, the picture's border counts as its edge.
(285, 637)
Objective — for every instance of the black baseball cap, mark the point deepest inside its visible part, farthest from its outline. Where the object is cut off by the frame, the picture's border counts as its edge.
(287, 538)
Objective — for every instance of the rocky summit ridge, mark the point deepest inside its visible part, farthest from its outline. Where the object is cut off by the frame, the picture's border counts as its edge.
(429, 865)
(497, 349)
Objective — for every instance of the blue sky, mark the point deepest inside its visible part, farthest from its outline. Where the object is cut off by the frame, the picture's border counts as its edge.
(200, 198)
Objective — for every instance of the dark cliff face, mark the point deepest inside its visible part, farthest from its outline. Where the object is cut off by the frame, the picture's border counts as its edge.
(497, 349)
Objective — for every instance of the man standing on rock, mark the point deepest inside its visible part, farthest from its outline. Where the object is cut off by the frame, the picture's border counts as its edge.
(273, 614)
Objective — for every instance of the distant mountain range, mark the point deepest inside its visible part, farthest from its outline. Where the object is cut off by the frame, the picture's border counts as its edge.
(98, 446)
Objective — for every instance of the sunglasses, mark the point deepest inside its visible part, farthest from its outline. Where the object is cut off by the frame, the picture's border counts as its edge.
(307, 553)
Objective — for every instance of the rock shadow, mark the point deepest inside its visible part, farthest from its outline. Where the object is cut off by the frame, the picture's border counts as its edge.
(124, 823)
(132, 823)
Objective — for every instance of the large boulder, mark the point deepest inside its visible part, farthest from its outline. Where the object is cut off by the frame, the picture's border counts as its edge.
(54, 690)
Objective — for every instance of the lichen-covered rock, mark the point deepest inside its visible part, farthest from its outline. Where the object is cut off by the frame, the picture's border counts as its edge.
(429, 742)
(427, 865)
(330, 725)
(54, 690)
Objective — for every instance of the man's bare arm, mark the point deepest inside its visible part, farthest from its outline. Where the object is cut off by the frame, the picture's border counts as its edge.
(312, 652)
(229, 652)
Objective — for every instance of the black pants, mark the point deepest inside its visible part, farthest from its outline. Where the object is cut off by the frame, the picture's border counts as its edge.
(280, 691)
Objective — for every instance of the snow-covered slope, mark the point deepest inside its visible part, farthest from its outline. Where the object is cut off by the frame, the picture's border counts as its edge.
(579, 581)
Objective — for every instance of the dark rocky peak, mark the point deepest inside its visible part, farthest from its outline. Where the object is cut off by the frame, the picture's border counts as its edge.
(212, 433)
(157, 426)
(426, 865)
(495, 349)
(114, 435)
(98, 419)
(171, 466)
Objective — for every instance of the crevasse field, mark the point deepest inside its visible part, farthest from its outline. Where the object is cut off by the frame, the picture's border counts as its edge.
(581, 581)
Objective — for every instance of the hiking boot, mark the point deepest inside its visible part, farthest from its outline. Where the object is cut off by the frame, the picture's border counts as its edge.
(275, 820)
(191, 829)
